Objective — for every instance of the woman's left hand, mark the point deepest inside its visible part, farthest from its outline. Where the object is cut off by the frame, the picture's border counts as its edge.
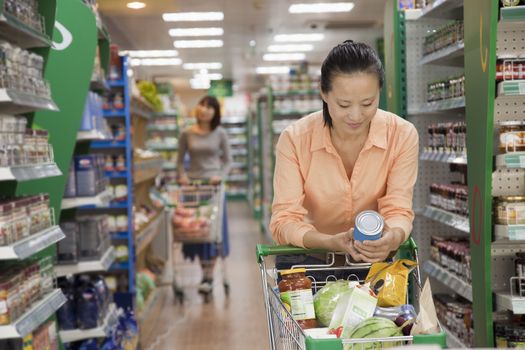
(379, 250)
(215, 180)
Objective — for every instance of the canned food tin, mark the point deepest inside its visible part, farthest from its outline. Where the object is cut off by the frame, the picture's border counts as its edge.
(368, 226)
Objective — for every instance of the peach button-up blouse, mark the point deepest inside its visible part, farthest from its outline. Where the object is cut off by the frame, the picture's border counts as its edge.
(313, 192)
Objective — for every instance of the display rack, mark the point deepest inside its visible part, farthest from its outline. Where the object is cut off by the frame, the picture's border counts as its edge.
(164, 125)
(32, 244)
(237, 130)
(254, 167)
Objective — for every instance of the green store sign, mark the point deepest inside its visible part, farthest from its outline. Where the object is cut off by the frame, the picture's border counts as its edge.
(221, 88)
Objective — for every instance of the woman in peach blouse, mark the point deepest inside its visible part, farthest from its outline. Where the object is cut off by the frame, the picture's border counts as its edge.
(347, 158)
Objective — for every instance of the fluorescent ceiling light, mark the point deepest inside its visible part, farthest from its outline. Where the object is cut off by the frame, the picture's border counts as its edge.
(291, 48)
(299, 37)
(321, 7)
(194, 44)
(202, 65)
(196, 32)
(200, 84)
(209, 76)
(151, 53)
(193, 16)
(284, 57)
(136, 5)
(156, 62)
(273, 70)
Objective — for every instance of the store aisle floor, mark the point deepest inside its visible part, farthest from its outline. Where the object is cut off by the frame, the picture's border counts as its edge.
(237, 322)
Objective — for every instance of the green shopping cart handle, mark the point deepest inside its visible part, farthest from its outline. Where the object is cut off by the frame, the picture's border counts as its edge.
(267, 250)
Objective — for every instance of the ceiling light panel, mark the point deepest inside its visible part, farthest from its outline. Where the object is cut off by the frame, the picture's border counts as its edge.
(194, 44)
(209, 76)
(273, 70)
(156, 61)
(151, 53)
(178, 32)
(291, 48)
(202, 65)
(321, 7)
(200, 84)
(193, 16)
(284, 57)
(136, 5)
(299, 37)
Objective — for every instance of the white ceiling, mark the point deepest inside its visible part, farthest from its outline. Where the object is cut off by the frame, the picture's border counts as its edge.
(245, 20)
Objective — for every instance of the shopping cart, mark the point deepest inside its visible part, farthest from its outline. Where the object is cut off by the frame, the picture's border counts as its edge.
(196, 214)
(285, 333)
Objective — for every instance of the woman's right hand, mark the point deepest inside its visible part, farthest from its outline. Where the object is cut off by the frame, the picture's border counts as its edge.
(344, 242)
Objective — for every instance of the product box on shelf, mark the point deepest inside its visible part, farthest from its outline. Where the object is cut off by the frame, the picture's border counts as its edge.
(90, 177)
(455, 313)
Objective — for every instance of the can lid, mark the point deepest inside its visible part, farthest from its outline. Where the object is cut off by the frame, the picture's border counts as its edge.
(290, 271)
(369, 222)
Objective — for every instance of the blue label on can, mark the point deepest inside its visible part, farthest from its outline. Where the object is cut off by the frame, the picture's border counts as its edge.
(359, 236)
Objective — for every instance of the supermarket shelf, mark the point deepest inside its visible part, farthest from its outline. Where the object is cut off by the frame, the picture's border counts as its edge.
(116, 83)
(451, 55)
(120, 235)
(511, 160)
(234, 120)
(443, 157)
(512, 18)
(101, 200)
(293, 113)
(296, 92)
(87, 266)
(163, 147)
(511, 87)
(232, 178)
(16, 102)
(20, 34)
(448, 279)
(110, 321)
(169, 127)
(148, 306)
(32, 244)
(117, 205)
(443, 106)
(169, 166)
(458, 222)
(99, 85)
(29, 172)
(93, 135)
(236, 131)
(504, 301)
(141, 108)
(118, 266)
(114, 114)
(239, 165)
(239, 152)
(509, 232)
(445, 9)
(166, 115)
(453, 342)
(148, 233)
(238, 142)
(33, 318)
(147, 170)
(236, 196)
(108, 144)
(116, 174)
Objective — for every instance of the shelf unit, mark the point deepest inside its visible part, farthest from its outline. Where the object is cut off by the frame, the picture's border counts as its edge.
(237, 130)
(254, 162)
(32, 244)
(103, 331)
(101, 265)
(165, 124)
(490, 34)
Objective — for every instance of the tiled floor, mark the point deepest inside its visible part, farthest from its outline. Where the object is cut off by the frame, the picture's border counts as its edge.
(235, 323)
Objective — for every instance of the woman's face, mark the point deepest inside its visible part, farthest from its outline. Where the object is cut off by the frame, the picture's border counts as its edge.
(353, 102)
(205, 113)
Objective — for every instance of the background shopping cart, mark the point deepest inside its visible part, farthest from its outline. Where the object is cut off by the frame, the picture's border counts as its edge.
(285, 333)
(196, 213)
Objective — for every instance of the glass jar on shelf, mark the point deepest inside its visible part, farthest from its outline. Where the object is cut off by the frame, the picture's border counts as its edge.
(512, 136)
(510, 210)
(6, 224)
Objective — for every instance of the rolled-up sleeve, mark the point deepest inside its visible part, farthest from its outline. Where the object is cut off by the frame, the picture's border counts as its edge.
(396, 205)
(287, 222)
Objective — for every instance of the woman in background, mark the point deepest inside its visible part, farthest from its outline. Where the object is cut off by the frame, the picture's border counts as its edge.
(210, 160)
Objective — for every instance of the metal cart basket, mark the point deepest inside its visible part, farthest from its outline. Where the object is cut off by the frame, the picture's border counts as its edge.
(285, 333)
(202, 204)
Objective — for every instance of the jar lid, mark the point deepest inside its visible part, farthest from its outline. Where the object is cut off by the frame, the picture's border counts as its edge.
(290, 271)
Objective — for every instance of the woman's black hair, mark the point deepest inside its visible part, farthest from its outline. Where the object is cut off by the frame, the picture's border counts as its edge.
(347, 58)
(210, 101)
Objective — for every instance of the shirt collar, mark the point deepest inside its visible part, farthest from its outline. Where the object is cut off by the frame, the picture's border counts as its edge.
(376, 137)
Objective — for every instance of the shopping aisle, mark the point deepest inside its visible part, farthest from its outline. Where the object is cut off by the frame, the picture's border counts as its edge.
(237, 323)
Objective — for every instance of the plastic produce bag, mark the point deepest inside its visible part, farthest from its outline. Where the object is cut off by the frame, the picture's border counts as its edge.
(426, 321)
(325, 300)
(391, 279)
